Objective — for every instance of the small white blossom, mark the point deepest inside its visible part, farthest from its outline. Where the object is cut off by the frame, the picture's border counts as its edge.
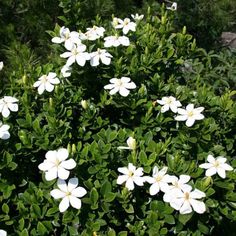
(69, 38)
(94, 33)
(116, 41)
(216, 165)
(66, 71)
(56, 164)
(115, 21)
(1, 65)
(3, 232)
(169, 103)
(70, 194)
(173, 7)
(120, 85)
(137, 17)
(185, 201)
(130, 176)
(126, 25)
(190, 114)
(4, 133)
(77, 54)
(131, 142)
(7, 104)
(100, 54)
(46, 82)
(159, 180)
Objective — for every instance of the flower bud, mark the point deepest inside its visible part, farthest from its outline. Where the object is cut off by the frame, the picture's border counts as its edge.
(131, 143)
(69, 148)
(73, 148)
(84, 104)
(24, 79)
(207, 181)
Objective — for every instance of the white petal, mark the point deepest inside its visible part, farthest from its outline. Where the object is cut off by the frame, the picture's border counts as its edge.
(206, 165)
(63, 173)
(211, 159)
(221, 172)
(49, 87)
(121, 179)
(64, 204)
(75, 202)
(189, 107)
(181, 117)
(3, 232)
(186, 208)
(226, 167)
(211, 171)
(109, 86)
(138, 172)
(129, 184)
(173, 108)
(197, 194)
(105, 60)
(79, 192)
(62, 185)
(154, 189)
(123, 170)
(70, 60)
(69, 164)
(72, 184)
(114, 91)
(125, 79)
(94, 61)
(81, 60)
(54, 81)
(62, 154)
(5, 111)
(124, 92)
(198, 116)
(138, 180)
(176, 203)
(66, 54)
(182, 111)
(198, 206)
(51, 75)
(13, 106)
(164, 187)
(36, 84)
(57, 40)
(51, 156)
(190, 122)
(130, 85)
(41, 89)
(165, 108)
(69, 44)
(56, 193)
(51, 174)
(184, 178)
(46, 165)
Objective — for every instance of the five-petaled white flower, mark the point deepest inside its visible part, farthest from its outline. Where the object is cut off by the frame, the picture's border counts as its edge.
(169, 103)
(4, 133)
(176, 184)
(69, 38)
(1, 65)
(3, 232)
(77, 54)
(216, 165)
(120, 85)
(94, 33)
(126, 25)
(173, 7)
(190, 114)
(116, 41)
(46, 82)
(70, 194)
(66, 71)
(130, 176)
(185, 201)
(7, 104)
(56, 164)
(100, 54)
(131, 142)
(159, 180)
(137, 17)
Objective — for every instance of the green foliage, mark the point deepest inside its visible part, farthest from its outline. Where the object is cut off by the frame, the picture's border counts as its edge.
(161, 62)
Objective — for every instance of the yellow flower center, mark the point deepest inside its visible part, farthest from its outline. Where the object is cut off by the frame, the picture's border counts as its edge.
(186, 196)
(131, 173)
(190, 113)
(158, 178)
(216, 164)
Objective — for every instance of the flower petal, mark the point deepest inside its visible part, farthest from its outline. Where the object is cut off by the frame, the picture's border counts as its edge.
(79, 192)
(51, 174)
(72, 184)
(56, 193)
(75, 202)
(64, 204)
(69, 164)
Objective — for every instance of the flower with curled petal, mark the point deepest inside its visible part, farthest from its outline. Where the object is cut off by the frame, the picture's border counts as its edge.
(137, 17)
(56, 164)
(3, 232)
(173, 7)
(46, 82)
(190, 114)
(130, 176)
(120, 85)
(1, 65)
(94, 33)
(100, 55)
(4, 133)
(115, 41)
(126, 25)
(216, 165)
(169, 103)
(70, 194)
(66, 71)
(131, 142)
(7, 104)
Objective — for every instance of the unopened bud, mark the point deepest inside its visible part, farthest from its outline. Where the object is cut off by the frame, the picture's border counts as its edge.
(69, 148)
(50, 102)
(84, 104)
(207, 181)
(73, 148)
(24, 79)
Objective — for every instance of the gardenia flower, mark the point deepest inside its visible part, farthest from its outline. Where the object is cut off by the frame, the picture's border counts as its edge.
(131, 142)
(126, 25)
(46, 82)
(77, 54)
(116, 41)
(216, 165)
(120, 85)
(159, 180)
(173, 7)
(100, 54)
(56, 164)
(4, 134)
(185, 201)
(137, 17)
(1, 65)
(66, 71)
(190, 114)
(169, 103)
(70, 194)
(3, 232)
(69, 38)
(7, 104)
(115, 21)
(94, 33)
(130, 176)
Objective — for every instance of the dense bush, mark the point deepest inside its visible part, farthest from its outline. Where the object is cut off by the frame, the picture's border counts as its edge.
(81, 116)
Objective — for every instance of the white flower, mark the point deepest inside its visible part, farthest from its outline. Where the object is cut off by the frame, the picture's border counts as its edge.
(185, 200)
(169, 103)
(126, 25)
(4, 134)
(216, 165)
(130, 176)
(100, 54)
(66, 71)
(94, 33)
(115, 21)
(56, 164)
(77, 54)
(7, 104)
(120, 85)
(70, 194)
(190, 114)
(1, 65)
(137, 17)
(159, 180)
(116, 41)
(177, 184)
(131, 142)
(173, 7)
(3, 232)
(46, 82)
(69, 38)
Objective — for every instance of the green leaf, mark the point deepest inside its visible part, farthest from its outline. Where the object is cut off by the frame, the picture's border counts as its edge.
(185, 218)
(41, 229)
(169, 219)
(94, 196)
(5, 208)
(105, 188)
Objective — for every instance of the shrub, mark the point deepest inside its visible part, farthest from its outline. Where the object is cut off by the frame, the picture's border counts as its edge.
(81, 116)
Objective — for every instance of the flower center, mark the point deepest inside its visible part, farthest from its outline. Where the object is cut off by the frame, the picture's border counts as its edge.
(169, 101)
(216, 164)
(57, 163)
(44, 79)
(176, 184)
(190, 113)
(186, 196)
(126, 22)
(131, 173)
(119, 83)
(68, 193)
(158, 178)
